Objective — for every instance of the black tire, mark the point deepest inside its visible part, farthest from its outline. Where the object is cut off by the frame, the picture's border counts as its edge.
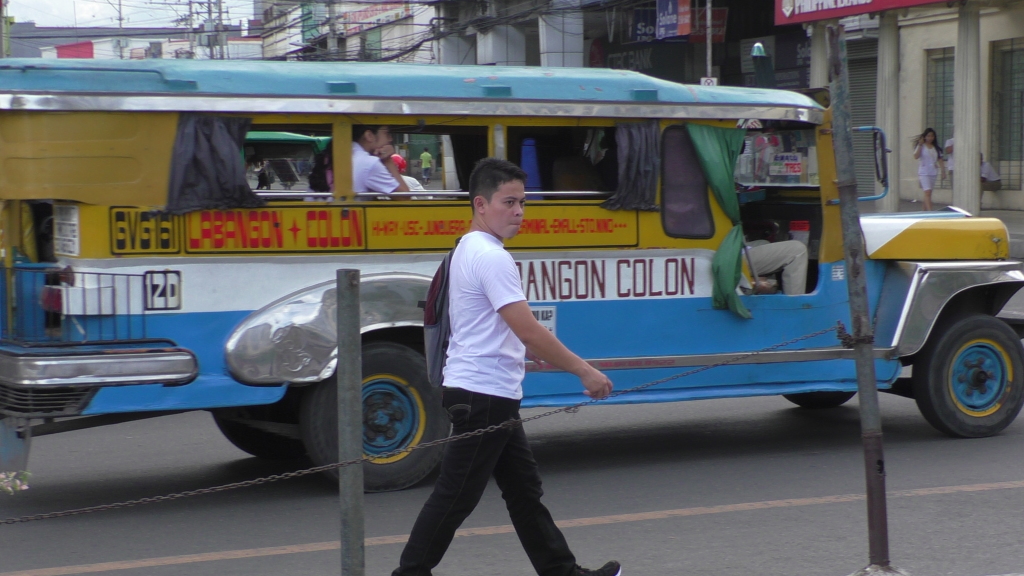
(969, 378)
(400, 409)
(259, 443)
(819, 400)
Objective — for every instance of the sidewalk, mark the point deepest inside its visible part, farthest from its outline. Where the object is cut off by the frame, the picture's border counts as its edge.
(1013, 219)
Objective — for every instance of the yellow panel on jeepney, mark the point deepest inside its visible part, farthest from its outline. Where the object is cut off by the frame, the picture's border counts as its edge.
(949, 235)
(308, 228)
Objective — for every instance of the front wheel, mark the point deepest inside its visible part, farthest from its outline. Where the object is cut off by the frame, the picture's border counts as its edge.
(968, 379)
(400, 410)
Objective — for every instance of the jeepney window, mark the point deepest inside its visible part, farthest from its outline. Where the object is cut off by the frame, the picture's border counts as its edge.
(565, 158)
(686, 208)
(439, 157)
(778, 158)
(280, 161)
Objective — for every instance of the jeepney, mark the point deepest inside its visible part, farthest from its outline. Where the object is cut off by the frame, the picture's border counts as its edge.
(143, 276)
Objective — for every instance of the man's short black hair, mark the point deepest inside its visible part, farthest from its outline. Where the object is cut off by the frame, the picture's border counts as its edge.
(359, 129)
(489, 174)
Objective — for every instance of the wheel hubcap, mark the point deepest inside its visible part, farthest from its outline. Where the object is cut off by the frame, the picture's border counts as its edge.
(979, 377)
(390, 416)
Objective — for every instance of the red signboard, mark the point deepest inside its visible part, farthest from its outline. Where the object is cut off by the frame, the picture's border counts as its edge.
(77, 50)
(797, 11)
(719, 16)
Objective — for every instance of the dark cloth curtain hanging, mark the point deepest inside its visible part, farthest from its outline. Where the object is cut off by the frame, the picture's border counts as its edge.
(639, 152)
(207, 167)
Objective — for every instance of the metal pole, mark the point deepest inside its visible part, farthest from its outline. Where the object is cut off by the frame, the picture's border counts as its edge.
(3, 29)
(853, 242)
(708, 37)
(350, 424)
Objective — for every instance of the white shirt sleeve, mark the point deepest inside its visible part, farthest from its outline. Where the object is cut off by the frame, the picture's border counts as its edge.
(499, 278)
(380, 180)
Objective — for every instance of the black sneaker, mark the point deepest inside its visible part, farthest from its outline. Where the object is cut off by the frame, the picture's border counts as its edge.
(610, 569)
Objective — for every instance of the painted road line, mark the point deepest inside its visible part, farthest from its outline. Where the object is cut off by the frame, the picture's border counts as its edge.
(506, 529)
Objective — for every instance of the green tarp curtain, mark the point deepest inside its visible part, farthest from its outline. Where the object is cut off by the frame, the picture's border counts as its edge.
(717, 151)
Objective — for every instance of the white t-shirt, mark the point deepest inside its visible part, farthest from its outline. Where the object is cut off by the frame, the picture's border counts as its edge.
(989, 173)
(369, 173)
(928, 163)
(412, 183)
(949, 156)
(484, 355)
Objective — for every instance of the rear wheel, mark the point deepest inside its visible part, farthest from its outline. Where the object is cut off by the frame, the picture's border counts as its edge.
(819, 400)
(400, 410)
(968, 378)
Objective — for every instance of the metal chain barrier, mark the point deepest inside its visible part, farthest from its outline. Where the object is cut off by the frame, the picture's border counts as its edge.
(838, 328)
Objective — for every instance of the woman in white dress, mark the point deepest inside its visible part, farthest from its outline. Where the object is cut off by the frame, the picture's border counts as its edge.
(929, 164)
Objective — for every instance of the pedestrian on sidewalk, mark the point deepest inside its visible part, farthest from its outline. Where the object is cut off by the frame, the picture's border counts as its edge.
(929, 164)
(492, 329)
(950, 165)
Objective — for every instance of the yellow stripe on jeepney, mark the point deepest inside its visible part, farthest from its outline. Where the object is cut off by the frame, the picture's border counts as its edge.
(306, 228)
(937, 239)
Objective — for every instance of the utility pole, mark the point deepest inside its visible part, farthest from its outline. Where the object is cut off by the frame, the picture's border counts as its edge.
(708, 37)
(332, 27)
(3, 28)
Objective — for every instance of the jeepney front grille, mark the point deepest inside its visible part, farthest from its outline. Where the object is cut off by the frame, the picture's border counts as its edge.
(43, 402)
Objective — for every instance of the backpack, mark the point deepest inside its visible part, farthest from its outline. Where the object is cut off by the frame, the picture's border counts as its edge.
(437, 328)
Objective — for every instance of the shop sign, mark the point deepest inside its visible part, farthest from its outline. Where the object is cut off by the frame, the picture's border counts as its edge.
(797, 11)
(642, 23)
(673, 18)
(719, 16)
(374, 15)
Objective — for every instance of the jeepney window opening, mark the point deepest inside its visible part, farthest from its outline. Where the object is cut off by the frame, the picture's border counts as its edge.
(280, 159)
(462, 145)
(566, 158)
(685, 201)
(638, 150)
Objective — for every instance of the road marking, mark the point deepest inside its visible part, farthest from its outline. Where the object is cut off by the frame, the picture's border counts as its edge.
(506, 529)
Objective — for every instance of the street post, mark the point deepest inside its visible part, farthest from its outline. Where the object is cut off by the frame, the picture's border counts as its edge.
(350, 424)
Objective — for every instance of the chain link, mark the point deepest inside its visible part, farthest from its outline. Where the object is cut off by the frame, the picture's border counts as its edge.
(511, 423)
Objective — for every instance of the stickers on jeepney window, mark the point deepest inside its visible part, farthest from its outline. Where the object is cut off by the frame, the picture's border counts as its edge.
(65, 230)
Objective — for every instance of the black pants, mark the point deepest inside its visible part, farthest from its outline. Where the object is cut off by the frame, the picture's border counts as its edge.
(465, 469)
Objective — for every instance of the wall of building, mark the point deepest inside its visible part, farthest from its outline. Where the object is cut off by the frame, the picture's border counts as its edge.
(931, 29)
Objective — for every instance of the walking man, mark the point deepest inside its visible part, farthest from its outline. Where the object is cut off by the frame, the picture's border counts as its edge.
(426, 163)
(492, 329)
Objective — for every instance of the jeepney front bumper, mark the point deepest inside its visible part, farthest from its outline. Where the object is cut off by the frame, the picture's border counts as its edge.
(50, 382)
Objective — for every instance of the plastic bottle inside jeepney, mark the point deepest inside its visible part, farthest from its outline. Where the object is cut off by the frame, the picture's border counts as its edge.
(744, 173)
(766, 145)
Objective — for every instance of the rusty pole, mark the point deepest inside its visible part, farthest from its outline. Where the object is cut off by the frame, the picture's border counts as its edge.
(350, 424)
(863, 336)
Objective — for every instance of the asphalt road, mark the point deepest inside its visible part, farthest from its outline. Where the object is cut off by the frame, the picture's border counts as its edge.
(725, 487)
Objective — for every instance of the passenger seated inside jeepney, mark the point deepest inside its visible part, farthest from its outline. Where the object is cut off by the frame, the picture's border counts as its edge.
(788, 257)
(373, 170)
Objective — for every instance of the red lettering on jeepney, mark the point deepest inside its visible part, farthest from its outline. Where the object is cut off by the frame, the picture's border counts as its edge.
(254, 229)
(650, 277)
(674, 275)
(531, 282)
(218, 229)
(597, 279)
(229, 231)
(618, 277)
(687, 274)
(278, 231)
(580, 283)
(564, 279)
(243, 228)
(642, 289)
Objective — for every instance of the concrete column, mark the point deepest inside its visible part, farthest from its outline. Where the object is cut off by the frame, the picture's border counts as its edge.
(819, 55)
(967, 110)
(561, 39)
(887, 111)
(456, 50)
(501, 45)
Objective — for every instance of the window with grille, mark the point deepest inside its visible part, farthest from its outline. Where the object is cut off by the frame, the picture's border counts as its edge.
(1007, 121)
(939, 98)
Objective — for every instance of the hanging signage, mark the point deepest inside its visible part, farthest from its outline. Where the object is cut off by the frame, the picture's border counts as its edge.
(797, 11)
(673, 18)
(719, 16)
(374, 15)
(642, 23)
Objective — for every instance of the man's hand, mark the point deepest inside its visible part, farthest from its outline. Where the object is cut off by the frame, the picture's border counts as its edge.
(597, 384)
(385, 152)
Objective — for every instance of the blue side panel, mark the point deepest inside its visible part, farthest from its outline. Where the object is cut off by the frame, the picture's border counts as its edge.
(205, 335)
(207, 391)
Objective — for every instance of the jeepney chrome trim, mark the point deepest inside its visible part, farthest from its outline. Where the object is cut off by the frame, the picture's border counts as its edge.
(459, 107)
(734, 358)
(932, 285)
(295, 339)
(96, 370)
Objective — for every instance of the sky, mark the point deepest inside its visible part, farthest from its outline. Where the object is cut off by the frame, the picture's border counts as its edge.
(136, 13)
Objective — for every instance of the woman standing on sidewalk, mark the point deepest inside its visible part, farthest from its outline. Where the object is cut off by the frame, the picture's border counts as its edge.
(929, 162)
